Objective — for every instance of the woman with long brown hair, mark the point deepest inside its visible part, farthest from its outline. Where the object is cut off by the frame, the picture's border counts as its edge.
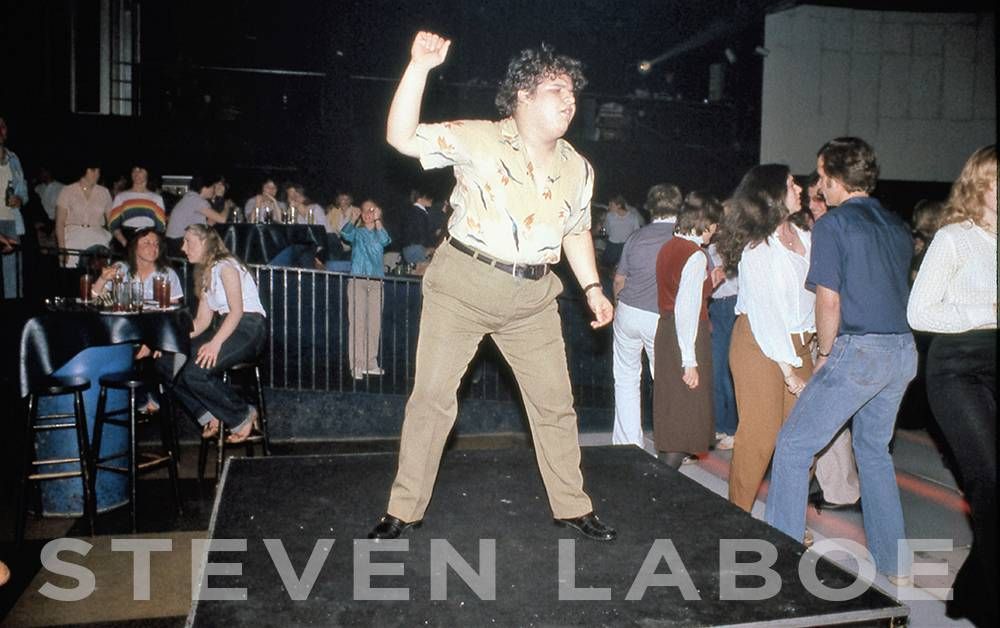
(769, 351)
(955, 297)
(236, 335)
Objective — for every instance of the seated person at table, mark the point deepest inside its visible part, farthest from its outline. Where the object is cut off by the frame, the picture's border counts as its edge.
(227, 289)
(338, 214)
(259, 207)
(305, 211)
(195, 207)
(145, 257)
(136, 208)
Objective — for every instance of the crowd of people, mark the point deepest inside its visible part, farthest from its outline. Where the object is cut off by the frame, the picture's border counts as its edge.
(821, 349)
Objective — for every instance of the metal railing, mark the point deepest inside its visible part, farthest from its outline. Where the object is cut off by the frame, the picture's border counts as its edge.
(308, 345)
(308, 349)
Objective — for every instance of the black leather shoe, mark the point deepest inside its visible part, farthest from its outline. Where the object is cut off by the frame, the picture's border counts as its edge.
(389, 527)
(817, 501)
(589, 526)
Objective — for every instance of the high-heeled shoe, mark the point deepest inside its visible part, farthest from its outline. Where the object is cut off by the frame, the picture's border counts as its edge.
(235, 438)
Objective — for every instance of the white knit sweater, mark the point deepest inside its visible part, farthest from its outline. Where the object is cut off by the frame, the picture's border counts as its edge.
(956, 288)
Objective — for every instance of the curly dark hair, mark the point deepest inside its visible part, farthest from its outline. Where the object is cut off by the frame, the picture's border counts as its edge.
(530, 68)
(133, 244)
(850, 160)
(755, 210)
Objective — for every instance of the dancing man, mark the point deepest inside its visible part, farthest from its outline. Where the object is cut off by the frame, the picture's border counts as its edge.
(522, 195)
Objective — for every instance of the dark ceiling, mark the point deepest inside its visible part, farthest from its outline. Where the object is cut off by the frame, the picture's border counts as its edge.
(370, 38)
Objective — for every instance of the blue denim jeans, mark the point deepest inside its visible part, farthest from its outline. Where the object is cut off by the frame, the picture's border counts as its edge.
(202, 393)
(722, 313)
(865, 378)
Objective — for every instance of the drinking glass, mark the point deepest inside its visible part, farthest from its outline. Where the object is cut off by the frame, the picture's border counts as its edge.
(138, 292)
(86, 284)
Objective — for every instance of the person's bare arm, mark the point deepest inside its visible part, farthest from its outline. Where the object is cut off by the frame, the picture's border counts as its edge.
(213, 217)
(202, 319)
(61, 213)
(428, 51)
(579, 250)
(827, 321)
(618, 285)
(208, 353)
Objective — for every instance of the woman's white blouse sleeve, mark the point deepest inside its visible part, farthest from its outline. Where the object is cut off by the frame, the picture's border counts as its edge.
(687, 309)
(760, 288)
(943, 296)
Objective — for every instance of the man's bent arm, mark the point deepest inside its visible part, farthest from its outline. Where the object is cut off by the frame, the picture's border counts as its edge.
(428, 52)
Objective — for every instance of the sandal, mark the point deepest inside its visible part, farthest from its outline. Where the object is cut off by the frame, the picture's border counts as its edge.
(235, 438)
(211, 429)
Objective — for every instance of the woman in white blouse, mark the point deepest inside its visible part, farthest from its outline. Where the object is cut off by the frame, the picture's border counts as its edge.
(219, 342)
(955, 297)
(769, 351)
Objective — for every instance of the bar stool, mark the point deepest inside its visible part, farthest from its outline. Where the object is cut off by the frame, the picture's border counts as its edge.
(255, 395)
(131, 382)
(53, 387)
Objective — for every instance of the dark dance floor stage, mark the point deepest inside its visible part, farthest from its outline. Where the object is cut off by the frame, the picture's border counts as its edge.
(307, 501)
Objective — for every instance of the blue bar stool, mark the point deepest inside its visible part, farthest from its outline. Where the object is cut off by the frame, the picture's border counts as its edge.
(129, 418)
(51, 387)
(254, 391)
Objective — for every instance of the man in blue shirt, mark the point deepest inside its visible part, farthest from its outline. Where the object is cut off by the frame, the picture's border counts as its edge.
(860, 262)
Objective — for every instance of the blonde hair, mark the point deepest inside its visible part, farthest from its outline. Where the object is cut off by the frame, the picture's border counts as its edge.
(968, 194)
(215, 252)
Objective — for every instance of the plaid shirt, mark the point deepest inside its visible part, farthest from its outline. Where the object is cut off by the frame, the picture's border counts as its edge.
(501, 207)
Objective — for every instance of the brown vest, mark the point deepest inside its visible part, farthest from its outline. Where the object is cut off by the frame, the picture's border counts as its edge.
(669, 264)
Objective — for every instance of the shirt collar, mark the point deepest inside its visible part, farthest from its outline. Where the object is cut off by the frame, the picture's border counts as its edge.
(511, 136)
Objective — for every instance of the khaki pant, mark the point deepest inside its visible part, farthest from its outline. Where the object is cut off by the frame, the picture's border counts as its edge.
(364, 322)
(763, 403)
(464, 299)
(837, 472)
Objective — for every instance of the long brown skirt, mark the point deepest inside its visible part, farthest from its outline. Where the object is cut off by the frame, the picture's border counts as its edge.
(683, 419)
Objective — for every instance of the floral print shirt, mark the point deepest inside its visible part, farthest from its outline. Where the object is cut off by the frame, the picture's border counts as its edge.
(501, 207)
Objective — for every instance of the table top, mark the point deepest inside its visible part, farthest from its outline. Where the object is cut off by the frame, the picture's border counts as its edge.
(259, 243)
(66, 328)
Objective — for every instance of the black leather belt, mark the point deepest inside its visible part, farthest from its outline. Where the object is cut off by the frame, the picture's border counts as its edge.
(524, 271)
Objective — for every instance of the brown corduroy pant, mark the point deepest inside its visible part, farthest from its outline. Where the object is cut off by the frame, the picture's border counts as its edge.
(763, 403)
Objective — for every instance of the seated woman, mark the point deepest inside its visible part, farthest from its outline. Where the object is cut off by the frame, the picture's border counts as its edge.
(301, 210)
(145, 257)
(218, 343)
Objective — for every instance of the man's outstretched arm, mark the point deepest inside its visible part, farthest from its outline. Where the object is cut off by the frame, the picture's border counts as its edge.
(428, 52)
